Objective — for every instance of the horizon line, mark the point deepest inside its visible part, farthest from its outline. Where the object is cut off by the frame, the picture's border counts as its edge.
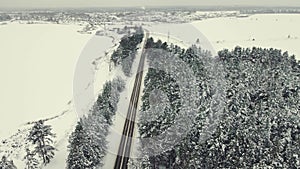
(150, 7)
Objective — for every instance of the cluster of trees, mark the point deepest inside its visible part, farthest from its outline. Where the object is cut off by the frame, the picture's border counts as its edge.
(7, 164)
(126, 51)
(259, 124)
(158, 80)
(87, 144)
(41, 139)
(4, 17)
(161, 104)
(38, 147)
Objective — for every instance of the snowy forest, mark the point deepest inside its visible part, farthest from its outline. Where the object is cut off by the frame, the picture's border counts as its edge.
(259, 126)
(87, 143)
(126, 51)
(256, 92)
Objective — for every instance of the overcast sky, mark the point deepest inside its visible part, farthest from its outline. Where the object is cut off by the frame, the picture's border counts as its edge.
(135, 3)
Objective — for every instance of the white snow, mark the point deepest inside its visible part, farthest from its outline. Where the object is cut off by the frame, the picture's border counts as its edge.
(38, 61)
(262, 30)
(268, 30)
(37, 68)
(136, 135)
(184, 34)
(116, 130)
(94, 51)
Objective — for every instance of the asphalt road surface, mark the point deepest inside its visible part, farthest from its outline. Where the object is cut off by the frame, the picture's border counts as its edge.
(126, 139)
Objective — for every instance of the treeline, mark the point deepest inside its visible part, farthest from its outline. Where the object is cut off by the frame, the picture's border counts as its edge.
(4, 17)
(88, 144)
(126, 51)
(259, 124)
(159, 81)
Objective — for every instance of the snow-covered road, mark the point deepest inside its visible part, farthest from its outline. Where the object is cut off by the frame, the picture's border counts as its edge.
(116, 130)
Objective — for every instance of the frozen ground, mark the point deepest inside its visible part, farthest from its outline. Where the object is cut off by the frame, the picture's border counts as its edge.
(99, 68)
(37, 68)
(180, 34)
(264, 30)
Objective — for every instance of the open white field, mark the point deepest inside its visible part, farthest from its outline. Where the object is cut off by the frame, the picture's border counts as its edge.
(37, 67)
(37, 64)
(264, 30)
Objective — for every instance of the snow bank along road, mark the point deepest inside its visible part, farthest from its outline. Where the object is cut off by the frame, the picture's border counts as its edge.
(126, 139)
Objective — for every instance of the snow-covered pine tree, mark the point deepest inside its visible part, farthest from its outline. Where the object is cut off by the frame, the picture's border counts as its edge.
(260, 117)
(126, 51)
(97, 129)
(42, 137)
(6, 164)
(76, 157)
(84, 151)
(87, 144)
(30, 161)
(127, 64)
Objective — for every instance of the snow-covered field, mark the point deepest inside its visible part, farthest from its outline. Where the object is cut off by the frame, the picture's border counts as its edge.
(180, 34)
(37, 67)
(264, 30)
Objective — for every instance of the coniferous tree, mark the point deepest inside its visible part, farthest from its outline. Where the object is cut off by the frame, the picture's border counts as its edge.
(76, 158)
(85, 148)
(126, 51)
(42, 137)
(6, 164)
(87, 144)
(260, 117)
(30, 161)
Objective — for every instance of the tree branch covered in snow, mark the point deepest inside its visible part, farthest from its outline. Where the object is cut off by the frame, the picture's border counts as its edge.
(42, 139)
(259, 126)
